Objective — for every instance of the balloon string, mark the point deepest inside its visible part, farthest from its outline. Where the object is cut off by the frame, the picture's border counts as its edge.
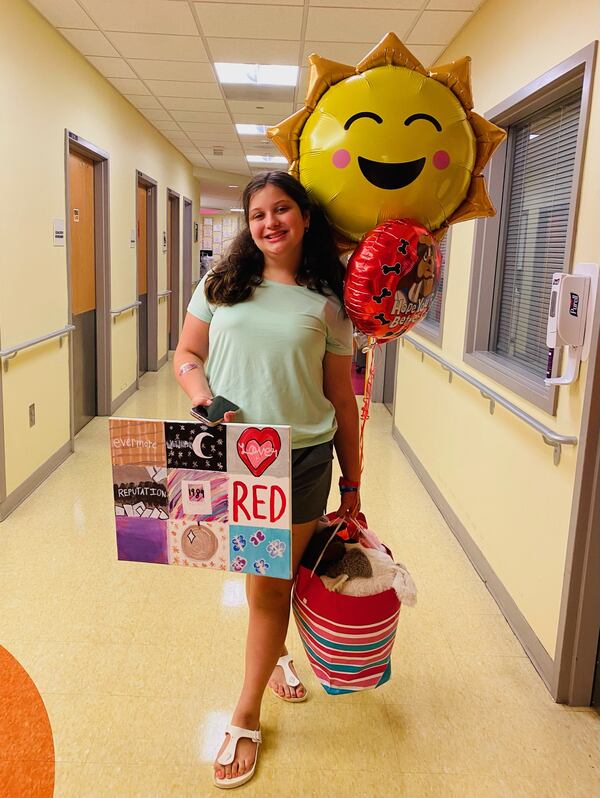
(366, 404)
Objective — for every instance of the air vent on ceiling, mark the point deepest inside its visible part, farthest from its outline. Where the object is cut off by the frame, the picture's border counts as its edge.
(217, 150)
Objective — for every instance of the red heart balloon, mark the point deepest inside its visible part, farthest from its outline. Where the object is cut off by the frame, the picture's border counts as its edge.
(391, 278)
(258, 448)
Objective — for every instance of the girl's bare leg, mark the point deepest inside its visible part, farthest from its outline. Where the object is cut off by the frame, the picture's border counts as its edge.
(268, 617)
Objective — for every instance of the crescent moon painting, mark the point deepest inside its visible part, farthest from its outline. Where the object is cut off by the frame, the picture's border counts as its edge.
(197, 445)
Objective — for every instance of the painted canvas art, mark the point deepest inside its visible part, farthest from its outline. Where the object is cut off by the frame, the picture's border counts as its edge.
(203, 497)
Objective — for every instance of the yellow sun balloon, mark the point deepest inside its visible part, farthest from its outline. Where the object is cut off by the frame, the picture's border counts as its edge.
(387, 139)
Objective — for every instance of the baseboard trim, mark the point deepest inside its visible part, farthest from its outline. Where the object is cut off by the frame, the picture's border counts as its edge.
(162, 361)
(33, 481)
(536, 652)
(116, 403)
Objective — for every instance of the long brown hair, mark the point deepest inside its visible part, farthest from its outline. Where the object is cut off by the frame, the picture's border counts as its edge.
(236, 276)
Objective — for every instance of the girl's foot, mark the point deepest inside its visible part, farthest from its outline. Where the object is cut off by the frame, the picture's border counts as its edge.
(290, 689)
(245, 752)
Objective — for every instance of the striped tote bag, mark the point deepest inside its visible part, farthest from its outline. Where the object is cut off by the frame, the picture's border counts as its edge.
(348, 639)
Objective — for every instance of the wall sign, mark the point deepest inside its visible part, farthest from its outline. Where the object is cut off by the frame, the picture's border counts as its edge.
(58, 236)
(203, 497)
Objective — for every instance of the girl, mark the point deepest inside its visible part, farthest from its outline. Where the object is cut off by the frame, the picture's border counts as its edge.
(267, 330)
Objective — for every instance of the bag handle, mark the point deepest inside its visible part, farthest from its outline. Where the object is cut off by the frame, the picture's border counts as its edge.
(331, 537)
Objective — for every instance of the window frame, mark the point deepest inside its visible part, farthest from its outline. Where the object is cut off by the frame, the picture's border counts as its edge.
(574, 72)
(429, 329)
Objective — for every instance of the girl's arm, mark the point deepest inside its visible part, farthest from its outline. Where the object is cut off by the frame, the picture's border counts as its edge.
(193, 348)
(337, 387)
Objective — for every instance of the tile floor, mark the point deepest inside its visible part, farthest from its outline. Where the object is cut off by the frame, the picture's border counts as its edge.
(138, 665)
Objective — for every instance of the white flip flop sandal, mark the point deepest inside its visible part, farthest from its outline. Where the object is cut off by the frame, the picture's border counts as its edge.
(227, 756)
(290, 679)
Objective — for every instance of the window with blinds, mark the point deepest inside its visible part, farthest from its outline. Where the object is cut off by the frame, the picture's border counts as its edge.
(540, 171)
(434, 314)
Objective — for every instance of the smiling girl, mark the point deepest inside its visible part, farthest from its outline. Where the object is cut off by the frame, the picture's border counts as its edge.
(267, 329)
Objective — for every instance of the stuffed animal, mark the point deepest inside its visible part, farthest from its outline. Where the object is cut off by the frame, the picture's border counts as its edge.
(353, 564)
(385, 574)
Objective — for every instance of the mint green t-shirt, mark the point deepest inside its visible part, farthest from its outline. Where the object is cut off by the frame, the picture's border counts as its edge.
(266, 355)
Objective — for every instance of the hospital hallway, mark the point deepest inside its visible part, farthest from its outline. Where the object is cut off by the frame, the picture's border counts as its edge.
(138, 666)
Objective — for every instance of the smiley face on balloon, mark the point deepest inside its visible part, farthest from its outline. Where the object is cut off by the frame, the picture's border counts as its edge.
(387, 139)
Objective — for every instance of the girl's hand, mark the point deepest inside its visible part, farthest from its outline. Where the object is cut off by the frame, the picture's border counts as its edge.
(349, 504)
(205, 401)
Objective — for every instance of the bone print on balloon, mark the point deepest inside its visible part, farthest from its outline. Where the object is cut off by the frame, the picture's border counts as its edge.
(191, 495)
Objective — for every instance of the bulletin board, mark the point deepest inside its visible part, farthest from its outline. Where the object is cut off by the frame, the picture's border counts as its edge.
(196, 496)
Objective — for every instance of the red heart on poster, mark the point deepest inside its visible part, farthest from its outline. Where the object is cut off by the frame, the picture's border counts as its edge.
(258, 448)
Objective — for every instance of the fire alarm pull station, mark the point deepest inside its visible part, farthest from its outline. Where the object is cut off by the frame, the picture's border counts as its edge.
(570, 317)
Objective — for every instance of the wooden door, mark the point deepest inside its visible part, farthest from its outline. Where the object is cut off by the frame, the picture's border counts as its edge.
(83, 287)
(169, 264)
(142, 276)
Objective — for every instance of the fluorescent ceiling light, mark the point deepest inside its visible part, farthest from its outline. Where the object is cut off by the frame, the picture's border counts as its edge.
(232, 186)
(266, 159)
(237, 210)
(257, 74)
(251, 130)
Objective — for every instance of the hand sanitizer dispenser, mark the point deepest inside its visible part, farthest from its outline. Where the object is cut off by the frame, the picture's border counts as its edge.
(572, 303)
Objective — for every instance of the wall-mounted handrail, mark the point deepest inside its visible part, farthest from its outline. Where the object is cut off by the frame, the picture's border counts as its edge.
(164, 293)
(131, 306)
(549, 437)
(13, 351)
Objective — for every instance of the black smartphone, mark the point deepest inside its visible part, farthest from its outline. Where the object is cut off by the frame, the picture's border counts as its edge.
(214, 412)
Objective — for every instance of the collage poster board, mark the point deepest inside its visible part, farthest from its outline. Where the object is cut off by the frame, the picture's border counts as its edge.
(203, 497)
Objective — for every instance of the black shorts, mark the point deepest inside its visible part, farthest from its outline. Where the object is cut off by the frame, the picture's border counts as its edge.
(311, 481)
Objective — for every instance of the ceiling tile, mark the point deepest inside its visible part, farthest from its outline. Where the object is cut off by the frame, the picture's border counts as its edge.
(454, 5)
(253, 119)
(199, 127)
(158, 46)
(427, 54)
(171, 88)
(193, 104)
(264, 108)
(187, 117)
(438, 27)
(259, 94)
(90, 42)
(254, 51)
(225, 162)
(142, 16)
(211, 129)
(155, 115)
(63, 13)
(247, 21)
(356, 25)
(344, 52)
(228, 151)
(168, 127)
(385, 4)
(173, 70)
(213, 139)
(143, 102)
(128, 86)
(179, 138)
(112, 67)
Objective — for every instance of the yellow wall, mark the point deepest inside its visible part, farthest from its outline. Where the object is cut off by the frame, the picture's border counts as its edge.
(45, 87)
(496, 473)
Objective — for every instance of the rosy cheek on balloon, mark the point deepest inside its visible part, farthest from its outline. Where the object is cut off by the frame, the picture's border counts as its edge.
(341, 159)
(441, 159)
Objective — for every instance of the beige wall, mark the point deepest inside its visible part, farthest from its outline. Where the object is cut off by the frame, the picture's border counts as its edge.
(494, 471)
(45, 87)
